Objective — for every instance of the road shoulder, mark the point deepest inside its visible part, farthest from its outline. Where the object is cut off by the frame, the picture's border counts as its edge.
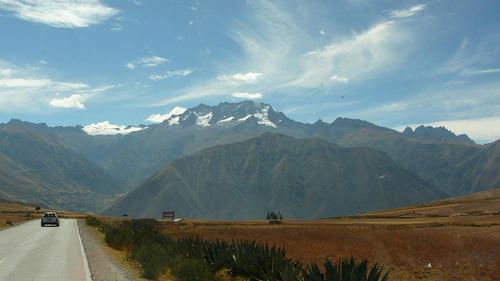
(105, 263)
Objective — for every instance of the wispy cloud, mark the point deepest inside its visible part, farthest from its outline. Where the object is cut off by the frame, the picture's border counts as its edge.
(61, 13)
(365, 53)
(247, 95)
(481, 71)
(248, 77)
(338, 78)
(473, 58)
(404, 13)
(73, 101)
(149, 61)
(169, 74)
(284, 56)
(25, 90)
(439, 102)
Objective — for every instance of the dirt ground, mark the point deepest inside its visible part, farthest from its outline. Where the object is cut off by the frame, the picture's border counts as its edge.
(436, 248)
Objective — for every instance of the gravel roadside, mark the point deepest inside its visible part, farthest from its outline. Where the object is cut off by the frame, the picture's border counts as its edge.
(103, 266)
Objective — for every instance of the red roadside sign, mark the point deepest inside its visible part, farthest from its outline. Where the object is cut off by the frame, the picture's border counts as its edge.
(168, 215)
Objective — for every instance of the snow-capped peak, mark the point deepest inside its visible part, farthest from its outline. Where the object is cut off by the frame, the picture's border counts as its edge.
(223, 114)
(106, 128)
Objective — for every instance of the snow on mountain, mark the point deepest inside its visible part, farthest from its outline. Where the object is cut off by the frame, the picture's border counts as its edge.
(203, 120)
(226, 119)
(158, 118)
(106, 128)
(263, 117)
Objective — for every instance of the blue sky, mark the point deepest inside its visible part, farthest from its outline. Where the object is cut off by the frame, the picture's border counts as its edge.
(393, 63)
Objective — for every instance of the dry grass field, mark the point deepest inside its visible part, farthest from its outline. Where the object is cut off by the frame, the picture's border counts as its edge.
(455, 239)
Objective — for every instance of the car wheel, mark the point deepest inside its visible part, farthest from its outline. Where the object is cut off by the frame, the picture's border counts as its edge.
(57, 224)
(42, 224)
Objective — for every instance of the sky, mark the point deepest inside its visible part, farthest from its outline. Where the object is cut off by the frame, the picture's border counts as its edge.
(393, 63)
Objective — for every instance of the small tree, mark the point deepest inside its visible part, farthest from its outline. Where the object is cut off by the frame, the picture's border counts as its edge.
(280, 217)
(268, 216)
(274, 216)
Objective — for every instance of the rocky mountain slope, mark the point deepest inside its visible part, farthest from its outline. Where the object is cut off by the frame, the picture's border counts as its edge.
(36, 167)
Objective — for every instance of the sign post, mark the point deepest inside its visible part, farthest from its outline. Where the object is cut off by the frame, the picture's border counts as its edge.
(168, 215)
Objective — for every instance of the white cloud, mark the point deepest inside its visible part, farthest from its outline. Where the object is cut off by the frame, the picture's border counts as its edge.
(5, 72)
(26, 90)
(158, 118)
(480, 129)
(168, 74)
(404, 13)
(73, 101)
(150, 61)
(247, 95)
(341, 79)
(249, 77)
(106, 128)
(61, 13)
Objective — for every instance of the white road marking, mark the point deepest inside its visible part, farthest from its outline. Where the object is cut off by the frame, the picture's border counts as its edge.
(2, 260)
(85, 262)
(26, 243)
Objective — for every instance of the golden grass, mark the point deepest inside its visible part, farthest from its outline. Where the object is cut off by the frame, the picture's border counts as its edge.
(458, 248)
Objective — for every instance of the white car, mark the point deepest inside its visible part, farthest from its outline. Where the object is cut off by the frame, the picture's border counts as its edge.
(49, 218)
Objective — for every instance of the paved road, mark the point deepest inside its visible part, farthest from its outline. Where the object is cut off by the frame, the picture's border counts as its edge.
(30, 252)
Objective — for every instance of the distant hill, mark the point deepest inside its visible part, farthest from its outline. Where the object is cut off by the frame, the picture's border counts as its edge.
(479, 203)
(36, 167)
(437, 134)
(303, 178)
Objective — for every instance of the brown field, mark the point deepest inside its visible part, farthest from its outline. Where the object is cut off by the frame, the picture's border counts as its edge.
(12, 213)
(455, 239)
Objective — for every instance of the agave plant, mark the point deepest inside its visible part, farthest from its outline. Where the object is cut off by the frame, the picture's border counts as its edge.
(345, 270)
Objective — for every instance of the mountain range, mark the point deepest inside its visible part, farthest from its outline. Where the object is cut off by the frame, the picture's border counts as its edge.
(306, 178)
(124, 159)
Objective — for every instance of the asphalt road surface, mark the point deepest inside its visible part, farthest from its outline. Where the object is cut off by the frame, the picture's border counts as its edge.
(30, 252)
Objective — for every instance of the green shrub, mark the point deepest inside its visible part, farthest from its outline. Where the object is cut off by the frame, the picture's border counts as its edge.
(92, 221)
(119, 237)
(152, 257)
(191, 269)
